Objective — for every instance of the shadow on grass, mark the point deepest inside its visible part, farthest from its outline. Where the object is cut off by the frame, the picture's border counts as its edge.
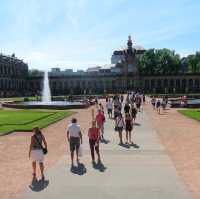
(79, 170)
(39, 185)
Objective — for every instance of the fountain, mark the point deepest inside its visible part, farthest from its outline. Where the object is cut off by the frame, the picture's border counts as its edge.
(46, 102)
(46, 92)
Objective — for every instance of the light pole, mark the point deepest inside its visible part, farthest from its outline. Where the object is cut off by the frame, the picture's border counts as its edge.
(174, 91)
(154, 90)
(165, 91)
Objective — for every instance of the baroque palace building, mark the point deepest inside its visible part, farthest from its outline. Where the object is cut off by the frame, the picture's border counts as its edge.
(121, 75)
(13, 76)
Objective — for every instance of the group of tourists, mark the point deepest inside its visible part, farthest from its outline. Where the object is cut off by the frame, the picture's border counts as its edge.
(131, 108)
(116, 108)
(184, 101)
(158, 103)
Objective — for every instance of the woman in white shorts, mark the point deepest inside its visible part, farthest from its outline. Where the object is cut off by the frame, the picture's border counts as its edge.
(36, 151)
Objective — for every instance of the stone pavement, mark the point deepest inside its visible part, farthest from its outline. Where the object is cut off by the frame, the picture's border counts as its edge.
(139, 173)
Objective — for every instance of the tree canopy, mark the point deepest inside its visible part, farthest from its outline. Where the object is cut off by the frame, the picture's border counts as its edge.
(168, 62)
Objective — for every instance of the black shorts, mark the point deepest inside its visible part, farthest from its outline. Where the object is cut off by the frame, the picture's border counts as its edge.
(109, 111)
(133, 115)
(74, 143)
(120, 129)
(129, 128)
(138, 105)
(157, 105)
(116, 114)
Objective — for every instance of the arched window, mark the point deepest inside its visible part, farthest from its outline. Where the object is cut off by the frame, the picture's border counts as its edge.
(54, 85)
(71, 84)
(171, 83)
(191, 83)
(184, 83)
(152, 83)
(159, 83)
(165, 83)
(66, 84)
(60, 85)
(146, 84)
(178, 83)
(197, 84)
(89, 84)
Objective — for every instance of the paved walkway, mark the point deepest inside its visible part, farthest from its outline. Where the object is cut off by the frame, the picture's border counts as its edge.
(139, 173)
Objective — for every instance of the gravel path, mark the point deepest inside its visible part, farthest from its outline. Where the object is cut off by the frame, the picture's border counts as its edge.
(15, 167)
(127, 172)
(181, 138)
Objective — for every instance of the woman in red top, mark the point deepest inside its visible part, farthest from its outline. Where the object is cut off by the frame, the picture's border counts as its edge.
(100, 119)
(94, 136)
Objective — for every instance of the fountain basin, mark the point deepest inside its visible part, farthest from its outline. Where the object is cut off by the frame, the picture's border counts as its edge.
(191, 103)
(59, 105)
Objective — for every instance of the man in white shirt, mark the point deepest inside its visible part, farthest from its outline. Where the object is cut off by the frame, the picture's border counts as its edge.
(109, 107)
(74, 137)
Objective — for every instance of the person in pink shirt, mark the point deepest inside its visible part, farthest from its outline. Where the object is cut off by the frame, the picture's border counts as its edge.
(100, 119)
(94, 136)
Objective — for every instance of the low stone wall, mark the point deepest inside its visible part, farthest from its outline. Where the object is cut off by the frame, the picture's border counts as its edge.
(23, 106)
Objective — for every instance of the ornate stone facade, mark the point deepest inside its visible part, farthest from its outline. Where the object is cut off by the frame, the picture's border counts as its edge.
(13, 76)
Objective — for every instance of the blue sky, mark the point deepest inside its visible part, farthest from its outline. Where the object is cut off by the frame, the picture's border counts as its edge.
(82, 33)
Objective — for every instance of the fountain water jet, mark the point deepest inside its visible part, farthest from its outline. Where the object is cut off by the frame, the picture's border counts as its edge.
(46, 92)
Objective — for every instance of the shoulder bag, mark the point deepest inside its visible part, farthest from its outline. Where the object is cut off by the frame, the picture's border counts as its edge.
(45, 151)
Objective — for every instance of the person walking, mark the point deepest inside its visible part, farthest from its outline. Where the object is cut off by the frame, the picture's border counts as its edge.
(101, 107)
(74, 137)
(119, 127)
(158, 104)
(94, 137)
(122, 98)
(36, 151)
(100, 119)
(126, 108)
(116, 112)
(144, 98)
(96, 102)
(153, 102)
(163, 104)
(138, 102)
(133, 112)
(129, 128)
(120, 106)
(109, 107)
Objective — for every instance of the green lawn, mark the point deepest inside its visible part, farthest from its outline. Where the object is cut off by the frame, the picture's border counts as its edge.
(194, 114)
(25, 120)
(17, 99)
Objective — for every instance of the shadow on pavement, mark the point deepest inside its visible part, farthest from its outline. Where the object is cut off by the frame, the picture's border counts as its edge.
(125, 145)
(99, 166)
(135, 146)
(136, 124)
(104, 141)
(79, 170)
(39, 185)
